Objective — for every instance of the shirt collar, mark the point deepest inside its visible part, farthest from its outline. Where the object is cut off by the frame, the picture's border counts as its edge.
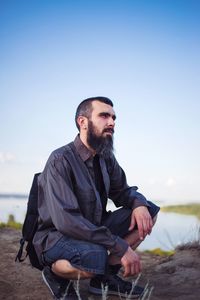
(82, 150)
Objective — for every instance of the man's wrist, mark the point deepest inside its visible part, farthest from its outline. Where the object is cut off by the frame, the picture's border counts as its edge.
(120, 247)
(139, 200)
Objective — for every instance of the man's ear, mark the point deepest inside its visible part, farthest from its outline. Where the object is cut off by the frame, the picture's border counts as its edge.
(82, 122)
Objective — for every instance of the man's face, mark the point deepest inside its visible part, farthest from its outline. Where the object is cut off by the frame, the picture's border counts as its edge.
(101, 128)
(103, 118)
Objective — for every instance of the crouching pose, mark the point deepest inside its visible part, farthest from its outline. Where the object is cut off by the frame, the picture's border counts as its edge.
(77, 237)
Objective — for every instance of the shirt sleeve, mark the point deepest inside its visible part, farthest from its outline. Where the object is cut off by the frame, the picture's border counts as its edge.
(56, 191)
(120, 192)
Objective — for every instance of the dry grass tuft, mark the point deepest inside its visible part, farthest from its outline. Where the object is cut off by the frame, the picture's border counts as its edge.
(193, 245)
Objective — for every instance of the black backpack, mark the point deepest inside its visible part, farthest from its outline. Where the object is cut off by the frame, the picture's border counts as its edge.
(30, 226)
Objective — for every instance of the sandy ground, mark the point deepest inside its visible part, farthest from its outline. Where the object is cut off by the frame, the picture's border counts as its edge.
(176, 277)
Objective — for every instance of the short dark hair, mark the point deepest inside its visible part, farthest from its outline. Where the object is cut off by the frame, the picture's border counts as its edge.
(85, 107)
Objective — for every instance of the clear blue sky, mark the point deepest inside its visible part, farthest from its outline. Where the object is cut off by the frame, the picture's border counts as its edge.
(144, 55)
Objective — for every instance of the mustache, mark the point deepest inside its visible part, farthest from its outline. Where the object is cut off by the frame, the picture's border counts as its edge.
(108, 130)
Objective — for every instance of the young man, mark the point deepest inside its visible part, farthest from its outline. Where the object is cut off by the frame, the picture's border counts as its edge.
(77, 237)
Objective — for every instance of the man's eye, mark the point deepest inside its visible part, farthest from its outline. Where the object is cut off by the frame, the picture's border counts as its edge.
(104, 116)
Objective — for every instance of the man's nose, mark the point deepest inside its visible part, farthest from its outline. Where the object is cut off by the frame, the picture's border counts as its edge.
(111, 122)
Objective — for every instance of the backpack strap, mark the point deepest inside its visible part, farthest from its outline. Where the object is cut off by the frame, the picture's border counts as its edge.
(19, 254)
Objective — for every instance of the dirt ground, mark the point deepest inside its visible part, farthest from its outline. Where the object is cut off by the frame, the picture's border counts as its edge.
(176, 277)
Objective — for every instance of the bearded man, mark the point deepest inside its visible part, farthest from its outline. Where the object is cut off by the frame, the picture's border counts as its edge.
(77, 238)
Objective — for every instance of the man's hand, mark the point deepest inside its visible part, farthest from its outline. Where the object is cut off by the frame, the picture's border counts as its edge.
(131, 263)
(142, 218)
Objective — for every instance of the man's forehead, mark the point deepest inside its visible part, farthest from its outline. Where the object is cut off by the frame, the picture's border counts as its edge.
(102, 107)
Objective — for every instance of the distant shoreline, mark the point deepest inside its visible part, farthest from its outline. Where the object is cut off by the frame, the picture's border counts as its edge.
(187, 209)
(13, 196)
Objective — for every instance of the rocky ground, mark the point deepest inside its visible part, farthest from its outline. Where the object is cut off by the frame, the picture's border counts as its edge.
(175, 277)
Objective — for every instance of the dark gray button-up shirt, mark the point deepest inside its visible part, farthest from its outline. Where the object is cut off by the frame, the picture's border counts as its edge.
(69, 203)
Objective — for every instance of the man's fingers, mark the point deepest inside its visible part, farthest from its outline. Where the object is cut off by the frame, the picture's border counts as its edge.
(131, 263)
(149, 226)
(144, 227)
(143, 220)
(140, 231)
(139, 267)
(135, 268)
(126, 270)
(132, 269)
(132, 225)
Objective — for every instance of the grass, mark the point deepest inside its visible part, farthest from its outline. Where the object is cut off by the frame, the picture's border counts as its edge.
(187, 209)
(11, 223)
(160, 252)
(194, 244)
(145, 296)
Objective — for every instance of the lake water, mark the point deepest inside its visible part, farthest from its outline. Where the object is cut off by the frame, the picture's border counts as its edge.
(170, 229)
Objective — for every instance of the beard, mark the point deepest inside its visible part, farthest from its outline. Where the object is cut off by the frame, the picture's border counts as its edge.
(103, 145)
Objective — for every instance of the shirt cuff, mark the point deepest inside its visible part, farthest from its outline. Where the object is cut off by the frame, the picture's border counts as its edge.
(140, 200)
(119, 248)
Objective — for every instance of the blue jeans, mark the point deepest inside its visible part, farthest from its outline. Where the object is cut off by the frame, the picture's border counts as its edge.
(88, 256)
